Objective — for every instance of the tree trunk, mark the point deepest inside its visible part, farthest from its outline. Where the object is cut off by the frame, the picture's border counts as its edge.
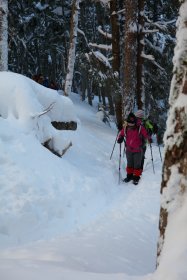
(130, 55)
(73, 39)
(115, 36)
(89, 92)
(140, 60)
(3, 35)
(84, 84)
(116, 60)
(174, 182)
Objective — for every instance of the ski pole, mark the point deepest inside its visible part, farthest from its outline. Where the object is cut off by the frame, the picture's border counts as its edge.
(119, 164)
(114, 146)
(152, 158)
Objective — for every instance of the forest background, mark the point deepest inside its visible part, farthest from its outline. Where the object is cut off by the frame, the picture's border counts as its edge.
(128, 70)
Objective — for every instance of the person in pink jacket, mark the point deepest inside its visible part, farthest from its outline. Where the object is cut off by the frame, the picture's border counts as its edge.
(134, 134)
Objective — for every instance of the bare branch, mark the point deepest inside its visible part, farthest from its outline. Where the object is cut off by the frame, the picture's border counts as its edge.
(49, 108)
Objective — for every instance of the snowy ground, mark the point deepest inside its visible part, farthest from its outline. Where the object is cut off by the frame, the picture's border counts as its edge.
(69, 218)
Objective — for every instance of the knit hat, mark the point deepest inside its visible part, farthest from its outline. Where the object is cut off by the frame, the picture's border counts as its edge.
(131, 118)
(139, 114)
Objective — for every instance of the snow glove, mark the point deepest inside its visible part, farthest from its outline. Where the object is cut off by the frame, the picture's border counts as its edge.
(120, 139)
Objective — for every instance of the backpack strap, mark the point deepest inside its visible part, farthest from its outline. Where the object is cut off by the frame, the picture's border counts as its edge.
(139, 130)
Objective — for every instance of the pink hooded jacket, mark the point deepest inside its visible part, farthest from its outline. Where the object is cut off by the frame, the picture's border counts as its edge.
(135, 136)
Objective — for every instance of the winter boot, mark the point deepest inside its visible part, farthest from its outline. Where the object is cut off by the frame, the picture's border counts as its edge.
(128, 178)
(136, 180)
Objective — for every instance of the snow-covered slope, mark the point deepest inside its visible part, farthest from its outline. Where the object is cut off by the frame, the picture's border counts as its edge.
(68, 218)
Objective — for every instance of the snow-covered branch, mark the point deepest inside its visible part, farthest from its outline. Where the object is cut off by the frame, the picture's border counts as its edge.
(161, 25)
(158, 65)
(148, 56)
(83, 34)
(152, 59)
(153, 47)
(101, 46)
(105, 34)
(99, 56)
(118, 12)
(147, 31)
(102, 58)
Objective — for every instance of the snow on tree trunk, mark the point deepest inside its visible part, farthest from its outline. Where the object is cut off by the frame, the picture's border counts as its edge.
(174, 178)
(3, 35)
(73, 39)
(130, 55)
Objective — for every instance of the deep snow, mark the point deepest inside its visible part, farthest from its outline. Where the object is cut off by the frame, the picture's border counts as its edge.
(68, 218)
